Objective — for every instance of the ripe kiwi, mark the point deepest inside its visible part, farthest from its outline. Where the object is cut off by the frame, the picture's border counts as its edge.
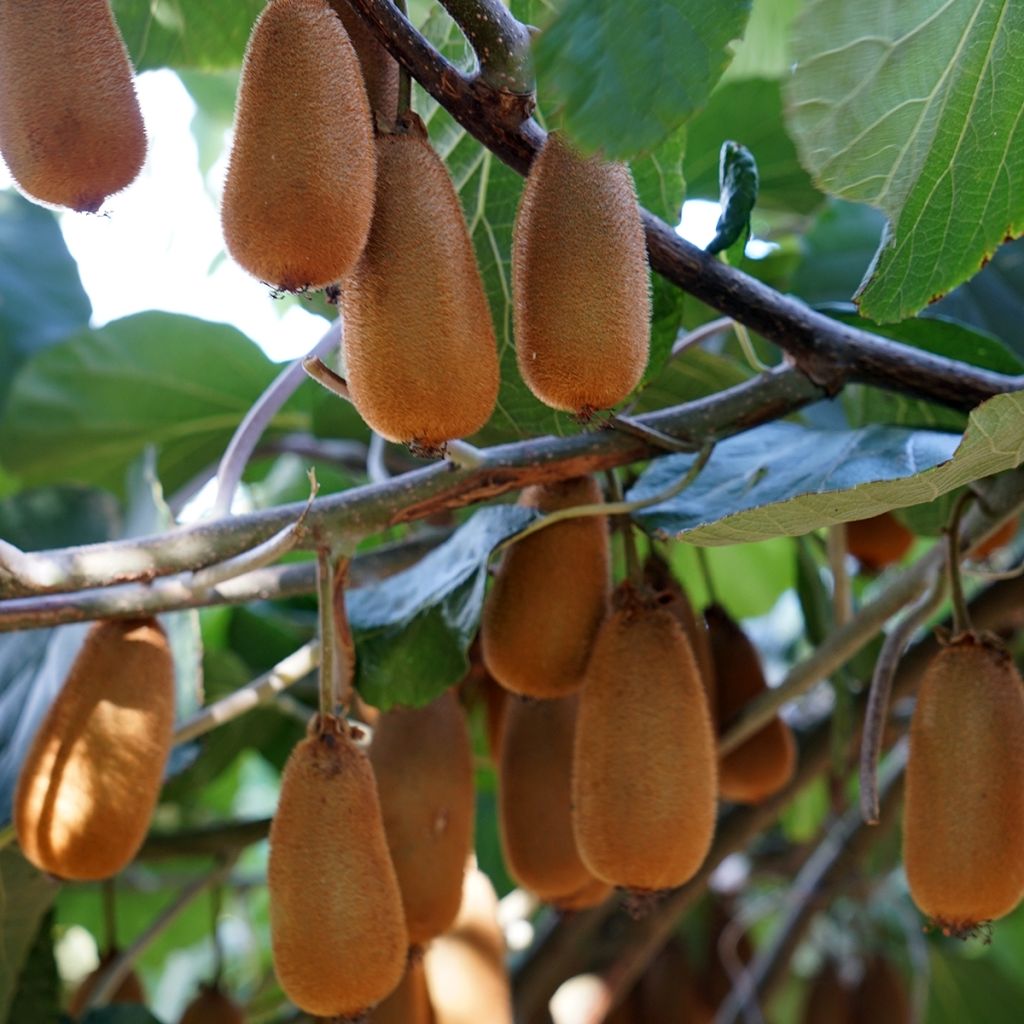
(549, 596)
(763, 764)
(591, 894)
(410, 1002)
(829, 1001)
(963, 817)
(299, 191)
(644, 764)
(423, 761)
(465, 967)
(71, 131)
(535, 799)
(881, 997)
(999, 539)
(379, 68)
(92, 776)
(579, 281)
(879, 541)
(658, 575)
(336, 926)
(129, 991)
(212, 1006)
(420, 356)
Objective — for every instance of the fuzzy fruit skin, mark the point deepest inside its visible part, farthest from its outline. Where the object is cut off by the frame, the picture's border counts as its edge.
(71, 131)
(580, 281)
(336, 925)
(549, 597)
(423, 761)
(379, 68)
(963, 816)
(644, 764)
(129, 991)
(535, 798)
(420, 356)
(591, 894)
(212, 1006)
(409, 1003)
(878, 542)
(881, 997)
(90, 782)
(466, 972)
(763, 764)
(298, 198)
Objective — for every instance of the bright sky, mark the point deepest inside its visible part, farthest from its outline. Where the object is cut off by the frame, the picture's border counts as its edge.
(159, 244)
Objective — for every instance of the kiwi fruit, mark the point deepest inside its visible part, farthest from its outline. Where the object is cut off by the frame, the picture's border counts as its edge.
(379, 68)
(963, 816)
(644, 763)
(410, 1002)
(659, 577)
(465, 967)
(999, 539)
(336, 925)
(881, 997)
(764, 763)
(580, 287)
(129, 991)
(71, 131)
(212, 1006)
(878, 542)
(829, 1001)
(535, 799)
(298, 198)
(90, 781)
(420, 356)
(423, 761)
(549, 596)
(591, 894)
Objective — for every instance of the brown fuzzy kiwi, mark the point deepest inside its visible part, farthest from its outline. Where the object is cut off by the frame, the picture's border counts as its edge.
(963, 817)
(881, 997)
(591, 894)
(298, 198)
(423, 761)
(420, 356)
(999, 539)
(336, 926)
(535, 798)
(829, 1000)
(879, 541)
(90, 782)
(212, 1006)
(658, 575)
(763, 764)
(380, 69)
(71, 131)
(644, 764)
(580, 281)
(410, 1002)
(129, 991)
(549, 596)
(466, 972)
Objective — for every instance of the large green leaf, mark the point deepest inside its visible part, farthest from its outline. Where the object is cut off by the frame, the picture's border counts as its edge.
(25, 896)
(784, 480)
(84, 409)
(186, 33)
(764, 49)
(413, 630)
(623, 77)
(37, 997)
(914, 107)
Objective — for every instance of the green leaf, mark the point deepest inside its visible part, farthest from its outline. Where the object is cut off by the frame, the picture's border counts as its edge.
(694, 374)
(84, 409)
(56, 517)
(624, 77)
(764, 49)
(413, 631)
(38, 993)
(915, 109)
(737, 182)
(659, 179)
(750, 111)
(25, 896)
(186, 33)
(784, 480)
(960, 986)
(41, 294)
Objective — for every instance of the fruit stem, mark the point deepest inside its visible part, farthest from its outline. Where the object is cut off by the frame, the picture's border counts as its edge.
(325, 597)
(747, 346)
(343, 645)
(961, 618)
(624, 525)
(708, 576)
(842, 592)
(404, 79)
(876, 715)
(316, 368)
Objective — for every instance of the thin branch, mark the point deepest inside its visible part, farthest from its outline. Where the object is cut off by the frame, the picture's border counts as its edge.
(222, 840)
(961, 620)
(261, 690)
(501, 43)
(376, 468)
(877, 713)
(701, 334)
(463, 455)
(329, 696)
(315, 367)
(842, 590)
(257, 419)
